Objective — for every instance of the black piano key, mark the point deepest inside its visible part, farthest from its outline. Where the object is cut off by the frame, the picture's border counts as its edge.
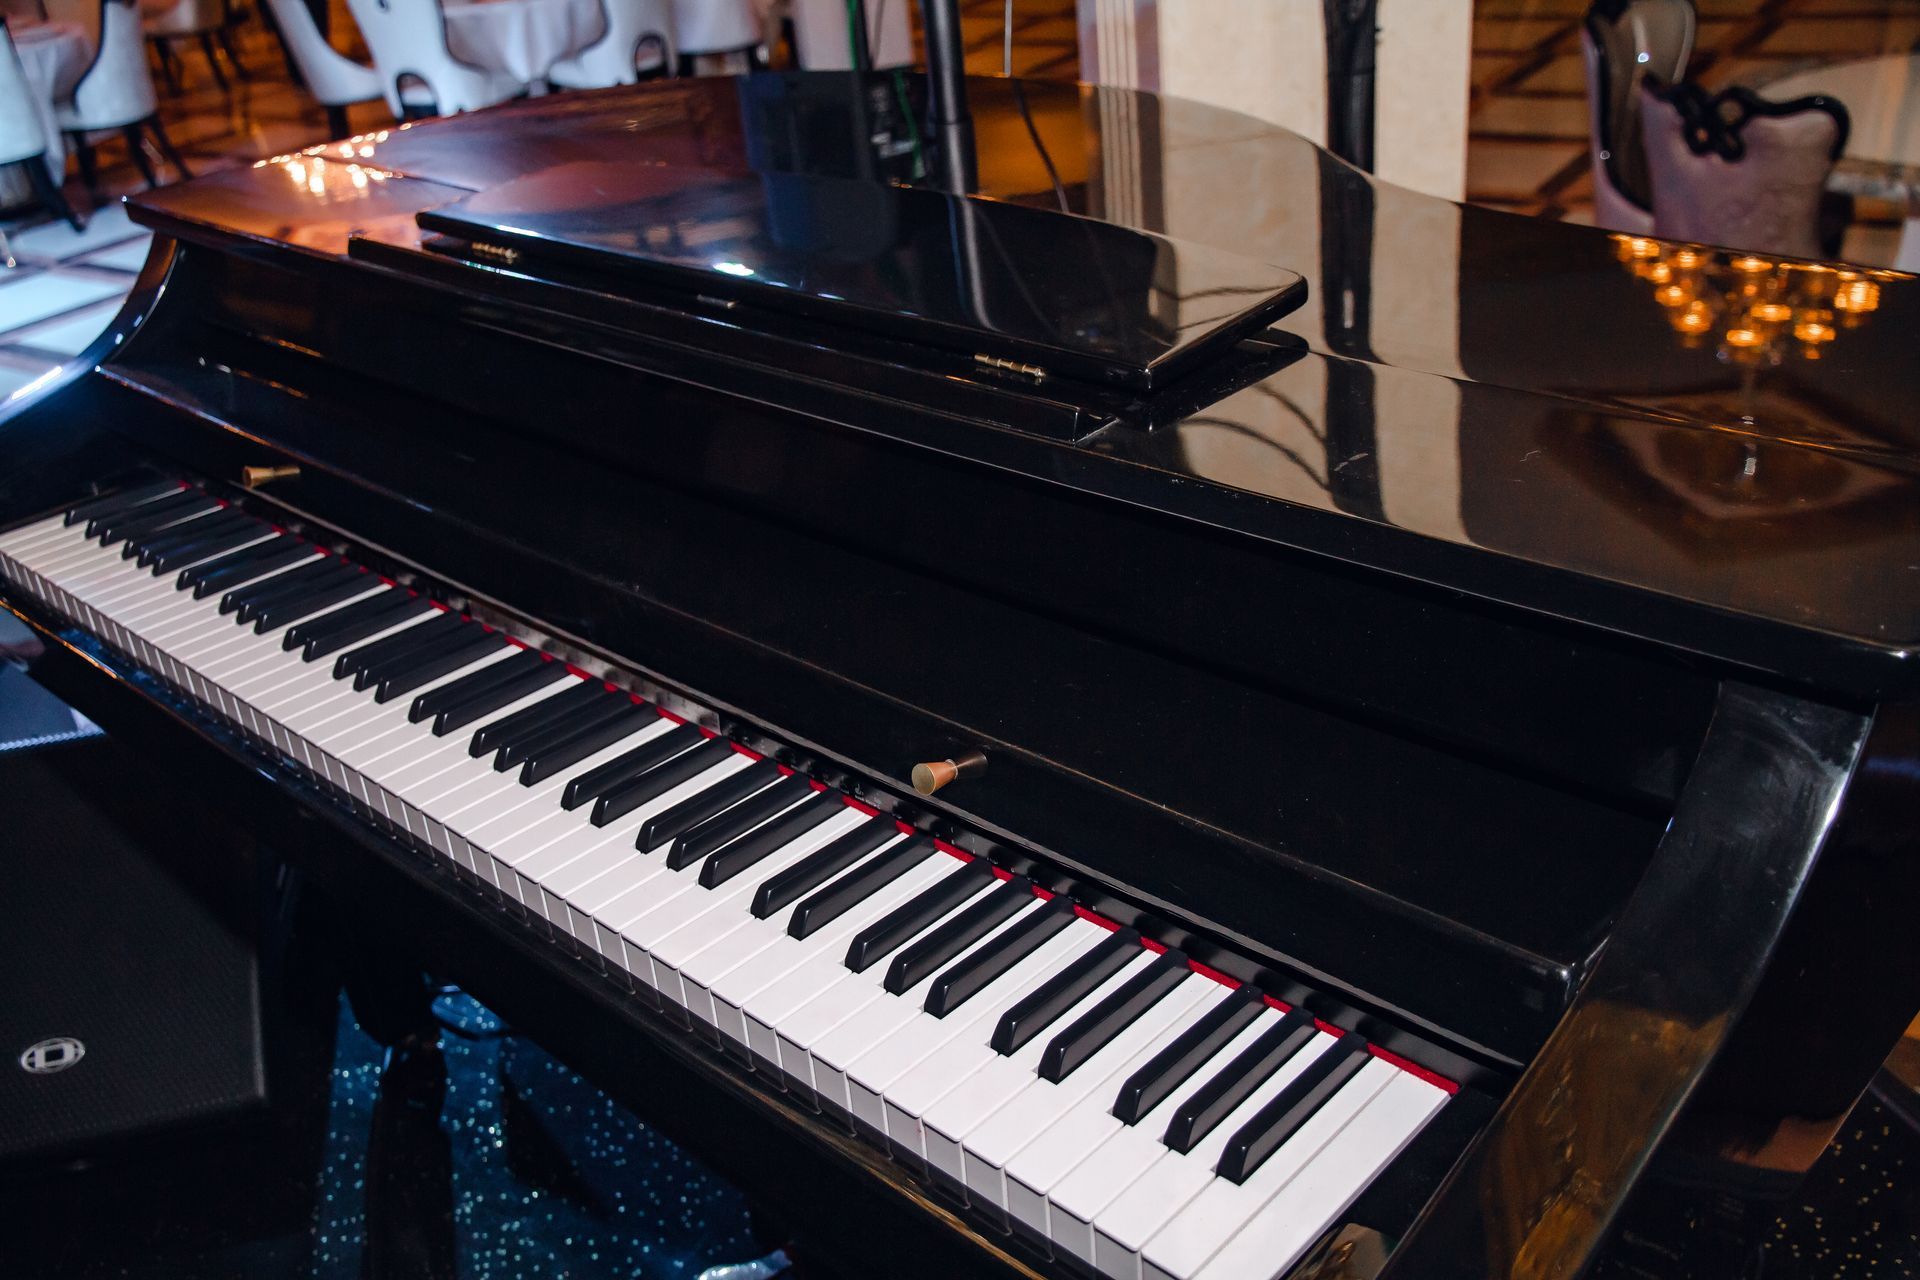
(1042, 1007)
(464, 638)
(249, 571)
(993, 958)
(295, 584)
(130, 532)
(486, 701)
(213, 545)
(521, 748)
(924, 957)
(324, 643)
(168, 513)
(717, 815)
(196, 517)
(246, 565)
(834, 901)
(389, 601)
(111, 528)
(1213, 1101)
(753, 847)
(702, 824)
(474, 648)
(190, 577)
(820, 866)
(1121, 1009)
(431, 703)
(291, 611)
(563, 756)
(1148, 1087)
(120, 500)
(352, 662)
(1274, 1123)
(208, 529)
(288, 583)
(917, 914)
(629, 764)
(487, 738)
(617, 802)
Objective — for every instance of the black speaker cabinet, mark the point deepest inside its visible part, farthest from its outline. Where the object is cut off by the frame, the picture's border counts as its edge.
(135, 939)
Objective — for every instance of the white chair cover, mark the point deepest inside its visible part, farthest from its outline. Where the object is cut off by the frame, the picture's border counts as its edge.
(408, 40)
(334, 79)
(117, 89)
(187, 18)
(615, 57)
(21, 135)
(717, 26)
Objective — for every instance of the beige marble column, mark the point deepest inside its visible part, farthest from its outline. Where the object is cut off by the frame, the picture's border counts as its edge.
(1268, 58)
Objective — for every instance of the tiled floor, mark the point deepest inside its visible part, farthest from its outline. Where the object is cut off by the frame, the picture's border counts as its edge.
(66, 286)
(1528, 146)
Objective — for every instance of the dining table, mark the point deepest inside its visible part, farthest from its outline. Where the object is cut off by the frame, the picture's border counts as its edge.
(1882, 154)
(522, 38)
(53, 55)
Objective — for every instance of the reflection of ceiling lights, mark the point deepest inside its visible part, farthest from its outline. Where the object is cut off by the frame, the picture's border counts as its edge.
(1756, 310)
(330, 171)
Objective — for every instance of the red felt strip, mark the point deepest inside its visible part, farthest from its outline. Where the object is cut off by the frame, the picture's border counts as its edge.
(1414, 1069)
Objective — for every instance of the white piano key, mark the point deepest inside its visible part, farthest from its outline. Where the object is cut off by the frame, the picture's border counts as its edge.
(840, 996)
(764, 966)
(935, 1075)
(1062, 1146)
(687, 925)
(1025, 1117)
(818, 957)
(1287, 1225)
(874, 1021)
(871, 1076)
(604, 880)
(1125, 1226)
(947, 1123)
(1124, 1158)
(1179, 1249)
(494, 831)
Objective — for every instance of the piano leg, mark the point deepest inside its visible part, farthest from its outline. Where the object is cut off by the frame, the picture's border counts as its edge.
(409, 1204)
(392, 998)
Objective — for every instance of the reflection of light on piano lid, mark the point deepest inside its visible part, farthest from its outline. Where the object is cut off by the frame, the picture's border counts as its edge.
(733, 268)
(36, 384)
(329, 179)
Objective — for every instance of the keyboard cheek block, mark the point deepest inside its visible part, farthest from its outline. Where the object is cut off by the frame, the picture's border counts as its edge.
(1113, 1103)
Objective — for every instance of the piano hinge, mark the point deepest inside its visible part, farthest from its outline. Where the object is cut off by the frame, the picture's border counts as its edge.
(497, 252)
(999, 364)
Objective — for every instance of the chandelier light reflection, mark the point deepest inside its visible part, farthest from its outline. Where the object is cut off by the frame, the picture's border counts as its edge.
(1754, 310)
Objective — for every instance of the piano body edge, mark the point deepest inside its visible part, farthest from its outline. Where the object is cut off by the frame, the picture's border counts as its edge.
(1777, 832)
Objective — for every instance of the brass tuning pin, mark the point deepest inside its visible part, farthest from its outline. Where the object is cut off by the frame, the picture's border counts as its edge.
(935, 774)
(254, 477)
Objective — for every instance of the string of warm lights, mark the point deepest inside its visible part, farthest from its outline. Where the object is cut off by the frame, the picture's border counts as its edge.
(1754, 309)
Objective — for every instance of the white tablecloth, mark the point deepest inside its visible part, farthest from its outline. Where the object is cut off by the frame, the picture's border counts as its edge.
(53, 55)
(523, 38)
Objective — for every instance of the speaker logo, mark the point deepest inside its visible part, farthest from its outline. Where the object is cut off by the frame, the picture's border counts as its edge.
(51, 1055)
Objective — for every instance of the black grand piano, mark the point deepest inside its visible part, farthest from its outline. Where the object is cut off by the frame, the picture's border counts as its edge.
(1175, 713)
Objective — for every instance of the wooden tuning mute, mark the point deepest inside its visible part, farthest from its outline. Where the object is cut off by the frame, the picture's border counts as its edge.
(254, 477)
(932, 775)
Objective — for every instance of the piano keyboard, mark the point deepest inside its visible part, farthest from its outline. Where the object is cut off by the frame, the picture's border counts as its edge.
(1071, 1081)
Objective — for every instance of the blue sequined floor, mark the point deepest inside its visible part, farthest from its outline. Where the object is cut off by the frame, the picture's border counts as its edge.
(550, 1179)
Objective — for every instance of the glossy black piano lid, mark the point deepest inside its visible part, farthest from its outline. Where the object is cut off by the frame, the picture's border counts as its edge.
(1072, 295)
